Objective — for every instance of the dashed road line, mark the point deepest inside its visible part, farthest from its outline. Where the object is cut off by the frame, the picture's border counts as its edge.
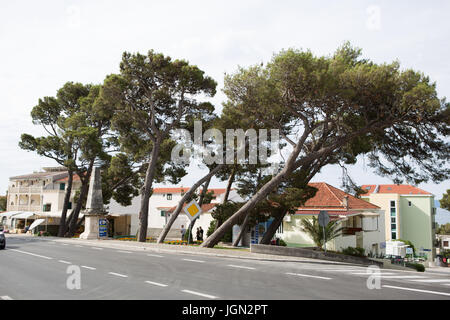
(190, 260)
(89, 268)
(308, 276)
(118, 274)
(432, 280)
(241, 267)
(402, 277)
(373, 274)
(157, 284)
(200, 294)
(32, 254)
(96, 248)
(155, 255)
(65, 262)
(418, 290)
(122, 251)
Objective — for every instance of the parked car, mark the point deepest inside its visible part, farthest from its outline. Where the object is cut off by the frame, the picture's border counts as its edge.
(2, 240)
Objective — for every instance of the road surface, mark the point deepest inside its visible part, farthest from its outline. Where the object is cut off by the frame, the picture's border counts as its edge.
(39, 269)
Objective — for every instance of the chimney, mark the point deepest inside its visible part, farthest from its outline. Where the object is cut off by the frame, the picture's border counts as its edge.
(345, 202)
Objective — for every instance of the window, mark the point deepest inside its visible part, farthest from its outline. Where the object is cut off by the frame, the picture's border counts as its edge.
(62, 186)
(169, 196)
(69, 206)
(163, 213)
(445, 244)
(47, 207)
(393, 220)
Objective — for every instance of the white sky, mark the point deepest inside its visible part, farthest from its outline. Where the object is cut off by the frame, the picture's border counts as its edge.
(47, 43)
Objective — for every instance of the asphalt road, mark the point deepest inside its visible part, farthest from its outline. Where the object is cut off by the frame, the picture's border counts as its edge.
(39, 269)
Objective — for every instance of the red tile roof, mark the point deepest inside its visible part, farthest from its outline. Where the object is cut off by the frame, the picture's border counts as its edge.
(404, 189)
(330, 198)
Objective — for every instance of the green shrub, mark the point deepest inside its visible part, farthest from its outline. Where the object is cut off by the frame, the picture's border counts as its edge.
(357, 252)
(418, 266)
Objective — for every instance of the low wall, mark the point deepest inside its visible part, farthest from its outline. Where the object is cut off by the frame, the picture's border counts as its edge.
(312, 254)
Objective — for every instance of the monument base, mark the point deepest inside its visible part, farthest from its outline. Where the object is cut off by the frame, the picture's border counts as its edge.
(92, 228)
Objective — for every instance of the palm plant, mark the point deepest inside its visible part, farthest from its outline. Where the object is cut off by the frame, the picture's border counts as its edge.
(315, 231)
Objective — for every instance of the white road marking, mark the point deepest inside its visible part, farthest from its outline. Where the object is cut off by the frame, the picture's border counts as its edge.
(78, 246)
(5, 298)
(193, 260)
(433, 280)
(418, 290)
(156, 284)
(373, 274)
(89, 268)
(154, 255)
(32, 254)
(403, 277)
(200, 294)
(308, 276)
(118, 274)
(124, 251)
(97, 248)
(339, 270)
(65, 262)
(241, 267)
(64, 244)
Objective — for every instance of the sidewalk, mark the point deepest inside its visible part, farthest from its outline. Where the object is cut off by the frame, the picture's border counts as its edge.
(240, 253)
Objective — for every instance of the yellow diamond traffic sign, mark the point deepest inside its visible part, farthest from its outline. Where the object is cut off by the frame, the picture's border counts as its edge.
(192, 210)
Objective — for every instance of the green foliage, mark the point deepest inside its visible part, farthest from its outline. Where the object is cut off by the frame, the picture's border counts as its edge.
(357, 252)
(315, 231)
(3, 204)
(443, 229)
(418, 266)
(445, 201)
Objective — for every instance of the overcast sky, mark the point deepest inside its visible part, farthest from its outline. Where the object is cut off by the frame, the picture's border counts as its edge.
(47, 43)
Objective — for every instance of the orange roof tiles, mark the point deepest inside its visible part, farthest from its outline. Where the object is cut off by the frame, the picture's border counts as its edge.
(404, 189)
(330, 198)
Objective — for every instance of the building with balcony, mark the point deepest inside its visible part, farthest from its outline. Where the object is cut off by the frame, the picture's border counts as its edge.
(38, 195)
(409, 214)
(362, 222)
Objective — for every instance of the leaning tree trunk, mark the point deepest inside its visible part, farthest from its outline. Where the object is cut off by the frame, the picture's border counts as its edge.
(242, 231)
(63, 222)
(200, 203)
(213, 239)
(227, 194)
(273, 228)
(147, 191)
(191, 191)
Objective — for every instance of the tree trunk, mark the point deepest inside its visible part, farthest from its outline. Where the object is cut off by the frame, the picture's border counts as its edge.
(259, 196)
(177, 211)
(62, 223)
(272, 229)
(200, 203)
(242, 231)
(227, 193)
(146, 192)
(81, 200)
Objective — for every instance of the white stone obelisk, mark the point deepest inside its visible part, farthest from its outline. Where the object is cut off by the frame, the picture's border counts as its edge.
(94, 207)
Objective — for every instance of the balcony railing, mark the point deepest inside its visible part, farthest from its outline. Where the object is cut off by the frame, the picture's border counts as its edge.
(25, 207)
(25, 190)
(350, 231)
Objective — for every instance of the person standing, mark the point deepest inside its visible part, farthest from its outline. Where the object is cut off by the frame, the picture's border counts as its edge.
(183, 232)
(201, 234)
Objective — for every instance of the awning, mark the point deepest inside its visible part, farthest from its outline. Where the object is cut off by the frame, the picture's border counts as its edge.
(24, 215)
(10, 214)
(36, 223)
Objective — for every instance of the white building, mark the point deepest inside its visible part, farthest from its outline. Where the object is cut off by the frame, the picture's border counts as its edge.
(37, 195)
(162, 203)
